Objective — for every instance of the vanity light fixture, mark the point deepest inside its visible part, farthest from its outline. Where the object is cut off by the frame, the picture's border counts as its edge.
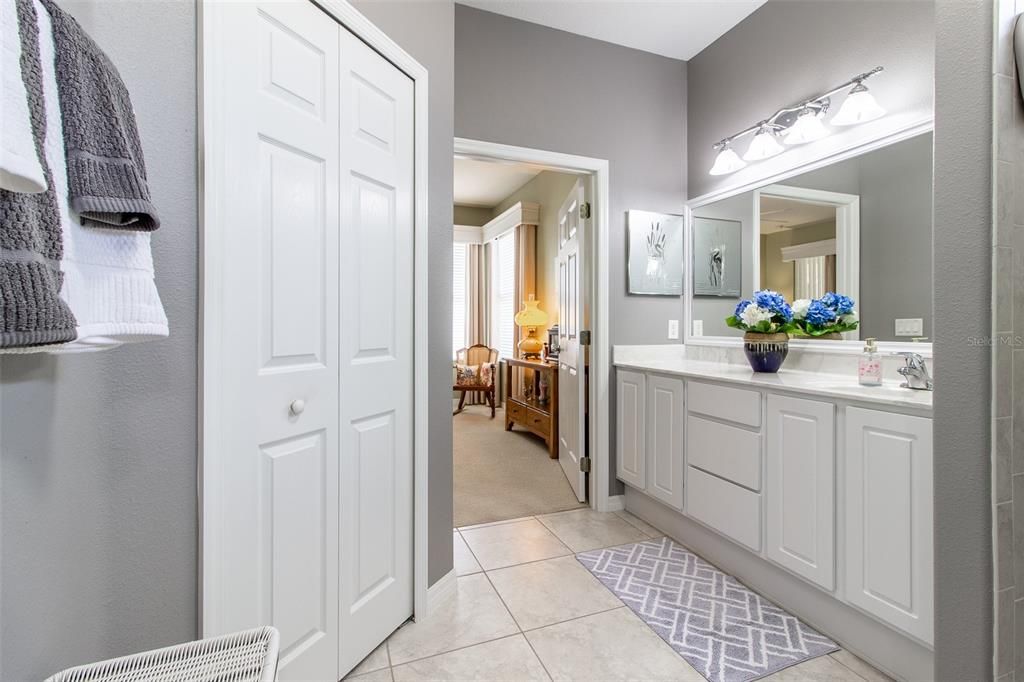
(807, 128)
(859, 107)
(799, 124)
(764, 145)
(727, 161)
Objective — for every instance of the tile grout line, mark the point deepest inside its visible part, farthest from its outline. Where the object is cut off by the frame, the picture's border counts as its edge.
(833, 657)
(458, 648)
(522, 632)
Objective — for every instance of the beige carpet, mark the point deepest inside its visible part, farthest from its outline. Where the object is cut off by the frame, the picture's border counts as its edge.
(503, 475)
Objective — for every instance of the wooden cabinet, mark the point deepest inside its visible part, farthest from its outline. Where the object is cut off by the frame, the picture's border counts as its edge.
(630, 401)
(531, 399)
(888, 512)
(664, 439)
(800, 487)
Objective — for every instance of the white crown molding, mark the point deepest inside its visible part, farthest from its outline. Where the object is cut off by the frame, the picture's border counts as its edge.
(468, 234)
(520, 213)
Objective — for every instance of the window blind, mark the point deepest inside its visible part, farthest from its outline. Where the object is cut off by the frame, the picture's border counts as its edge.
(504, 293)
(459, 297)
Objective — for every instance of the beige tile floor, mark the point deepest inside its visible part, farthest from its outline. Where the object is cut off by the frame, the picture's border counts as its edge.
(525, 609)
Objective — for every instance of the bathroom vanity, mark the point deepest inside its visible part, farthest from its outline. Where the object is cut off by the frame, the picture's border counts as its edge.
(810, 474)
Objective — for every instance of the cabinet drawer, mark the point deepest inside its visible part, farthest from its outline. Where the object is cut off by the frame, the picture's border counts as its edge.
(727, 451)
(731, 510)
(722, 402)
(516, 412)
(536, 421)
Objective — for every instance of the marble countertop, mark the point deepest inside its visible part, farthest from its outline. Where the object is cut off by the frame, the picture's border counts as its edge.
(811, 383)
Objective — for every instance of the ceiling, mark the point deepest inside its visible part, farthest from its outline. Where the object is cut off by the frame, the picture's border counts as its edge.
(673, 28)
(779, 214)
(487, 183)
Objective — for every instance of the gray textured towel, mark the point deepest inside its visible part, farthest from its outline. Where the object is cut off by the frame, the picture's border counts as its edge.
(106, 171)
(31, 310)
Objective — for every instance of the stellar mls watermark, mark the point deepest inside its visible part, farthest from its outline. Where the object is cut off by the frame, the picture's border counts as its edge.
(1011, 340)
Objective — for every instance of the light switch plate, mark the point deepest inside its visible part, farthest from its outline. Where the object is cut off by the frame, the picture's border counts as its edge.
(909, 326)
(698, 327)
(673, 329)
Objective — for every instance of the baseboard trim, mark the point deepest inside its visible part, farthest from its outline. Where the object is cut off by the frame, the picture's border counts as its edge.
(613, 503)
(441, 591)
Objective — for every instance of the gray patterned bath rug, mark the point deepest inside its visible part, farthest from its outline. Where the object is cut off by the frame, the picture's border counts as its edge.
(724, 630)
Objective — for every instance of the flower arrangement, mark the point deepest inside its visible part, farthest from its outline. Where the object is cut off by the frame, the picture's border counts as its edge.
(831, 314)
(765, 313)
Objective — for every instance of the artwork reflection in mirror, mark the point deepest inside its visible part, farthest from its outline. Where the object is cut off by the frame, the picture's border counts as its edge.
(717, 257)
(860, 227)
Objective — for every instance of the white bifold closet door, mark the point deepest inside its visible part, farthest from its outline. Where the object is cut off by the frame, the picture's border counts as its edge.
(316, 391)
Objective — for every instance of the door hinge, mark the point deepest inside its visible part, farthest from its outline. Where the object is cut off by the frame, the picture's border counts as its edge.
(585, 465)
(585, 337)
(584, 210)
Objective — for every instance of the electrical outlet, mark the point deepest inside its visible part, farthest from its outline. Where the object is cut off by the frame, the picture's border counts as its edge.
(698, 327)
(673, 329)
(909, 326)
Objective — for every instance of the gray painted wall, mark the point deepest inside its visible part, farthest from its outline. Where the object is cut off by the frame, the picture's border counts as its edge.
(963, 282)
(99, 450)
(528, 85)
(99, 496)
(787, 51)
(424, 28)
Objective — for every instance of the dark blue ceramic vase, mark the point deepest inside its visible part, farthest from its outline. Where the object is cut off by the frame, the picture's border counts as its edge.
(765, 352)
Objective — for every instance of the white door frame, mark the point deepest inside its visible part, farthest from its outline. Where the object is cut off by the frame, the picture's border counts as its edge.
(213, 177)
(597, 293)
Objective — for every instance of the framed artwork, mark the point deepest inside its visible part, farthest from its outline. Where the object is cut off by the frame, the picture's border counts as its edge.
(717, 257)
(655, 257)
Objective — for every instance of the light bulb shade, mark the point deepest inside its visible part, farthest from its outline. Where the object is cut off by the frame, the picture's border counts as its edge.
(727, 161)
(858, 107)
(807, 128)
(531, 315)
(763, 146)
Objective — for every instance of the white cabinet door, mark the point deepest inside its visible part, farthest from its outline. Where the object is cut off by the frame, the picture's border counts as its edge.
(888, 493)
(665, 439)
(800, 490)
(630, 398)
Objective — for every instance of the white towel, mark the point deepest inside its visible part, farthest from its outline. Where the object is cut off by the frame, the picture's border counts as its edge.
(108, 274)
(20, 170)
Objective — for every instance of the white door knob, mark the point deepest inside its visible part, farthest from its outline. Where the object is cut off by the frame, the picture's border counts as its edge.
(297, 406)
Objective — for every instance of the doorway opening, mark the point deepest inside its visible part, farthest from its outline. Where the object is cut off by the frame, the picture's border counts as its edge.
(523, 257)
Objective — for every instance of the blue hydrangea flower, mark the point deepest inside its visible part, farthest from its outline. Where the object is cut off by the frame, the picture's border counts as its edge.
(740, 307)
(773, 301)
(819, 314)
(842, 305)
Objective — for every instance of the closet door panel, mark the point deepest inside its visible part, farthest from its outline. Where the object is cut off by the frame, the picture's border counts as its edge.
(276, 558)
(376, 349)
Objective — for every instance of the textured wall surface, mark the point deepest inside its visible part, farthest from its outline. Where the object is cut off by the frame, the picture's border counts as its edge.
(531, 86)
(963, 322)
(1008, 351)
(99, 450)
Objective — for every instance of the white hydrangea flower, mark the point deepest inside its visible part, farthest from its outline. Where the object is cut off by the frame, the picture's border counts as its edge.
(800, 308)
(850, 317)
(753, 314)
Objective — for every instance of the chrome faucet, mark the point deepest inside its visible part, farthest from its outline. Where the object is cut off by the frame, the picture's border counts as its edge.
(915, 372)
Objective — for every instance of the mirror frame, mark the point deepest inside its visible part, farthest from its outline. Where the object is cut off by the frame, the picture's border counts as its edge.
(844, 347)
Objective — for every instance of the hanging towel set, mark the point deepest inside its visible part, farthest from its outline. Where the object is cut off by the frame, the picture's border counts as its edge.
(76, 268)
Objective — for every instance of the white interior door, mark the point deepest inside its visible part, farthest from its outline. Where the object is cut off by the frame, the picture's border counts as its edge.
(279, 349)
(572, 400)
(376, 349)
(314, 351)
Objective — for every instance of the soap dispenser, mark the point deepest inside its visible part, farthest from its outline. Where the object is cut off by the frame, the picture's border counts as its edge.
(869, 369)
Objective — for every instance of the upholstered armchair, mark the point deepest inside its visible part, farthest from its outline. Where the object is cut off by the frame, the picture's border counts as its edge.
(475, 370)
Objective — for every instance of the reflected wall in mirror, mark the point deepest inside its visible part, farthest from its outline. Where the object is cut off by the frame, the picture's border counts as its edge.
(861, 227)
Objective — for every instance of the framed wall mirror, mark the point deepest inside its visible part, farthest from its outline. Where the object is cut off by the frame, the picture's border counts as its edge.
(859, 224)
